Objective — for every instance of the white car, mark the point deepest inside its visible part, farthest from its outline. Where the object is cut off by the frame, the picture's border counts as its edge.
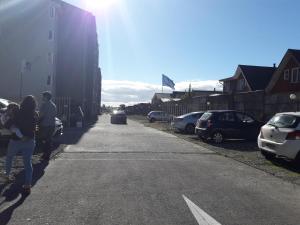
(4, 133)
(281, 136)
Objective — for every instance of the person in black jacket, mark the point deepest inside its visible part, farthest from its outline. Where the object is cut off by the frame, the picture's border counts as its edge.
(26, 121)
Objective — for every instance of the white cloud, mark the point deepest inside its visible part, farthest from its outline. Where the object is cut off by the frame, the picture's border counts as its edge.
(116, 92)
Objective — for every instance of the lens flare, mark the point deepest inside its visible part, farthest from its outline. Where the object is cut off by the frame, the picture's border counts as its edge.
(99, 5)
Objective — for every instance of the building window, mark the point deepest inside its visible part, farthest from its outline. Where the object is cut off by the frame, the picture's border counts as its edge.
(286, 75)
(52, 12)
(50, 58)
(49, 80)
(295, 77)
(50, 35)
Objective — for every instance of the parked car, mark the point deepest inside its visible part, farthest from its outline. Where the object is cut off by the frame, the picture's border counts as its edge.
(158, 116)
(3, 103)
(5, 134)
(227, 124)
(281, 136)
(118, 116)
(187, 122)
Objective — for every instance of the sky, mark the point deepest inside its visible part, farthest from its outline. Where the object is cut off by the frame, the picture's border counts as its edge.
(190, 41)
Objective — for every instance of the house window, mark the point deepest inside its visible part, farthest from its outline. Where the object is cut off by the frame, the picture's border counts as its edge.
(286, 75)
(50, 35)
(241, 84)
(295, 77)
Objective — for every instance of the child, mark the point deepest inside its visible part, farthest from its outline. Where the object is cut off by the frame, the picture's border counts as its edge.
(10, 114)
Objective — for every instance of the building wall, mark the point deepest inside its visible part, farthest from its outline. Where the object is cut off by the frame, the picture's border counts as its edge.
(24, 31)
(77, 58)
(285, 85)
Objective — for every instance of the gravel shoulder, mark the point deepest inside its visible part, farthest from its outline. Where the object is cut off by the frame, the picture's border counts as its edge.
(242, 151)
(18, 162)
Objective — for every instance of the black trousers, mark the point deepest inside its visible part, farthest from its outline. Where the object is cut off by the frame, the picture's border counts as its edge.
(45, 138)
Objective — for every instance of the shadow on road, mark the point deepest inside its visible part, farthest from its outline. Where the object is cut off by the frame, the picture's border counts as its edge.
(14, 196)
(289, 165)
(73, 135)
(235, 145)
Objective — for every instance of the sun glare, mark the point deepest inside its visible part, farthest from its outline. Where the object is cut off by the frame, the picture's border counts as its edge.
(99, 5)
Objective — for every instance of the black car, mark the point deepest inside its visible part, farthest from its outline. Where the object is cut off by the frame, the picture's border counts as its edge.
(227, 124)
(119, 117)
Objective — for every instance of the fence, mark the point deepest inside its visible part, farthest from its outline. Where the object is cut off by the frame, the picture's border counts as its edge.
(63, 105)
(258, 104)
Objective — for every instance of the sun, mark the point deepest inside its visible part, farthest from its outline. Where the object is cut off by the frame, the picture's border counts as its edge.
(99, 5)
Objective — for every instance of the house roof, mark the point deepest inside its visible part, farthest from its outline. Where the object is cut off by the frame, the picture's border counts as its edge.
(257, 77)
(162, 95)
(290, 53)
(295, 53)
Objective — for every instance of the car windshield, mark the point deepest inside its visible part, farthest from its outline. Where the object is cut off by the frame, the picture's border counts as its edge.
(283, 121)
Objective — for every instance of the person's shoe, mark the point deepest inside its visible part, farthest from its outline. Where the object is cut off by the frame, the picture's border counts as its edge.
(26, 189)
(46, 157)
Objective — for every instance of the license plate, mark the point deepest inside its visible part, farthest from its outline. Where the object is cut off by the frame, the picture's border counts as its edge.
(272, 146)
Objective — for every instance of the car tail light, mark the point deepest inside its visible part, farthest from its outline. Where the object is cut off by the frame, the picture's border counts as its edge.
(295, 135)
(209, 123)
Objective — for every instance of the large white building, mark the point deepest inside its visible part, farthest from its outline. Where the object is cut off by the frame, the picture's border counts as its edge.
(49, 45)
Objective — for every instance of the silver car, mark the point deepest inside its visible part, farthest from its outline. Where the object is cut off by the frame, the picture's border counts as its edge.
(158, 116)
(187, 122)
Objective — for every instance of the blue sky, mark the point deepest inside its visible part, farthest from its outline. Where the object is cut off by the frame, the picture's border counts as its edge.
(191, 40)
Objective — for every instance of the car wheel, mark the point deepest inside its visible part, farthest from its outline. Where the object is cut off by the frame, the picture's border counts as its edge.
(218, 137)
(266, 154)
(152, 120)
(190, 129)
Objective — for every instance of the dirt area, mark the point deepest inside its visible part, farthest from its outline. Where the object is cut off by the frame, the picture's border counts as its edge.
(18, 162)
(243, 151)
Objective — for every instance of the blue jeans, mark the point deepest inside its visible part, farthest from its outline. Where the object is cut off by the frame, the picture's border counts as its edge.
(27, 148)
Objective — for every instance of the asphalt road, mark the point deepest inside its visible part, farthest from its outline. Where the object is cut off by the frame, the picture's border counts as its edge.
(130, 174)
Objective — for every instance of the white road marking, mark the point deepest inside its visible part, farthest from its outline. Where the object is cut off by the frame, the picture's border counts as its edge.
(202, 217)
(93, 159)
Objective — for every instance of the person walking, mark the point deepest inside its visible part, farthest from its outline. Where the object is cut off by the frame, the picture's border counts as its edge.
(47, 116)
(25, 120)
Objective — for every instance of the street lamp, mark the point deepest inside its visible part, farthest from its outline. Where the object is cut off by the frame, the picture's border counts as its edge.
(208, 104)
(293, 97)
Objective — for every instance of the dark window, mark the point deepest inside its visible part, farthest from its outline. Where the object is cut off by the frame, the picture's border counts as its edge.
(244, 118)
(226, 116)
(50, 35)
(49, 80)
(197, 116)
(286, 75)
(52, 12)
(294, 78)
